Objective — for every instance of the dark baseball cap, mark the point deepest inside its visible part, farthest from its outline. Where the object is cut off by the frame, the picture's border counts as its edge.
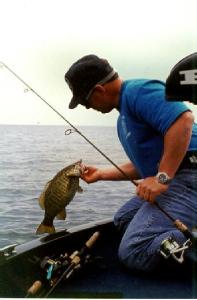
(181, 84)
(84, 74)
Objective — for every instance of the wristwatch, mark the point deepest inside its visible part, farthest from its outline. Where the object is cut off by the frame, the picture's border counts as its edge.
(163, 178)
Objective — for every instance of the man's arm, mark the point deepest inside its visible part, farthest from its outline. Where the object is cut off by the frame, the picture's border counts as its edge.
(176, 142)
(93, 174)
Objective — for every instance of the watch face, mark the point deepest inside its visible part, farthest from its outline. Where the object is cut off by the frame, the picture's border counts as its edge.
(162, 178)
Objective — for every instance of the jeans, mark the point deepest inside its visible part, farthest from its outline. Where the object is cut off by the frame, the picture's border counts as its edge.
(144, 226)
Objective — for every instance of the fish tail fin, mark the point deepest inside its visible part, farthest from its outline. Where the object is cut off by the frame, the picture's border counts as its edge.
(45, 229)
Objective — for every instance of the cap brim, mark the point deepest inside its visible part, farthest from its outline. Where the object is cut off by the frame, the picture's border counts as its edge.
(74, 102)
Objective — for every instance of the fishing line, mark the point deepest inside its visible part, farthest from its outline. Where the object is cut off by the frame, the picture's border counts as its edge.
(29, 88)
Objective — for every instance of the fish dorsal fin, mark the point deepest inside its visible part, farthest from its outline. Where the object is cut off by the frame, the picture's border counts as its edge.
(42, 196)
(61, 215)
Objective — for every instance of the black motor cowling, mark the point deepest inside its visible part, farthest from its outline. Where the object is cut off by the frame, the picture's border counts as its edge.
(181, 84)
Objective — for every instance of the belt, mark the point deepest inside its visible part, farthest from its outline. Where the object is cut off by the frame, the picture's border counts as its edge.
(189, 161)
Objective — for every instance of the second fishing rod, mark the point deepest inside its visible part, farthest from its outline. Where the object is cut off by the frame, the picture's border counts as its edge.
(178, 224)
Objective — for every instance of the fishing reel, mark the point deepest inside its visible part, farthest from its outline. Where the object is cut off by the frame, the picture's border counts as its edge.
(171, 248)
(62, 267)
(53, 267)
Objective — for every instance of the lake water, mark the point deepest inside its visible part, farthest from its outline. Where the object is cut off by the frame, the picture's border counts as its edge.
(30, 155)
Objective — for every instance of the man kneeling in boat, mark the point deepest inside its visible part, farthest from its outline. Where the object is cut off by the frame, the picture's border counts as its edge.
(159, 138)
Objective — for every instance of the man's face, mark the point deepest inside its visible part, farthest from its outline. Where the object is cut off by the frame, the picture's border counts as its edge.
(99, 100)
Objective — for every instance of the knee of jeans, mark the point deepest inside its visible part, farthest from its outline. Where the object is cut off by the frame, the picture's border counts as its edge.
(135, 257)
(128, 255)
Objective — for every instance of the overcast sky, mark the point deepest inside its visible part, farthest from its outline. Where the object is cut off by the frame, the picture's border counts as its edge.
(40, 39)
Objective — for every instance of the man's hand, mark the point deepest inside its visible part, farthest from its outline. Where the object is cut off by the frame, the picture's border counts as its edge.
(149, 188)
(91, 174)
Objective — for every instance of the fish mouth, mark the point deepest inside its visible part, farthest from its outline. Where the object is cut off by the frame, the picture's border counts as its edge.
(82, 167)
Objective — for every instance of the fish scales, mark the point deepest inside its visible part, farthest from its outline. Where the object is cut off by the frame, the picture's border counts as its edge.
(59, 197)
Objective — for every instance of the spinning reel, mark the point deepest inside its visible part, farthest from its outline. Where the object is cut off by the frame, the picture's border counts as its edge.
(170, 247)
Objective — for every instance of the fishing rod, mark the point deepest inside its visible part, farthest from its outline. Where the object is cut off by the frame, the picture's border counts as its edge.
(182, 227)
(62, 267)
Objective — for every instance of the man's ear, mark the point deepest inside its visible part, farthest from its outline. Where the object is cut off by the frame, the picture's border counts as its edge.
(99, 88)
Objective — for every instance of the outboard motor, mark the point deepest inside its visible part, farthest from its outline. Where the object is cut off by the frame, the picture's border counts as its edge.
(181, 84)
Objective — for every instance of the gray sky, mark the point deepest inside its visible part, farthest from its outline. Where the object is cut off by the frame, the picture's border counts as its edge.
(40, 39)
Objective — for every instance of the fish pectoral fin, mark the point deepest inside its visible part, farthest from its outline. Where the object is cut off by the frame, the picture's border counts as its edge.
(61, 215)
(80, 190)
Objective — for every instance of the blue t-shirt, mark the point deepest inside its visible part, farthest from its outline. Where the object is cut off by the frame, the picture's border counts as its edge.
(144, 118)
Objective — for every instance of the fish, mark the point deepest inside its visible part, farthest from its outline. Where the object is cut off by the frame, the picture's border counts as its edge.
(57, 194)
